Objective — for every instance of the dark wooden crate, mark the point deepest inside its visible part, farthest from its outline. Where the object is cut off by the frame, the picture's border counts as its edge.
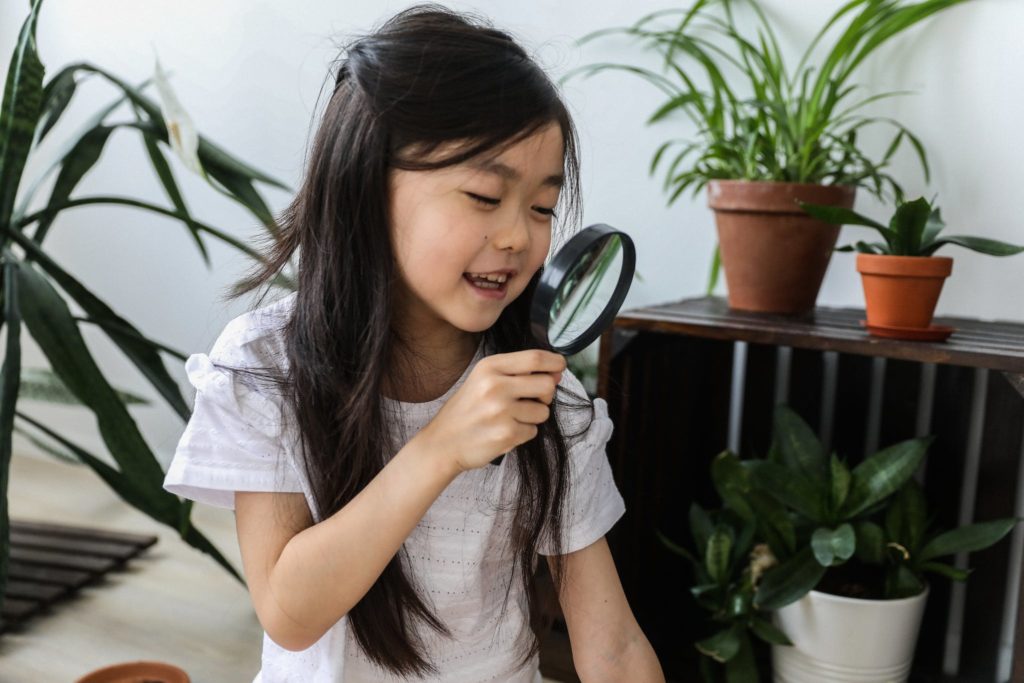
(667, 373)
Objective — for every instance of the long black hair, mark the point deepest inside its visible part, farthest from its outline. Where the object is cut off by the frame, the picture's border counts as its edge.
(428, 76)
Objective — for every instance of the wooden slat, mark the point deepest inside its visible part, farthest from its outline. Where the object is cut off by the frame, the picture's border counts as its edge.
(996, 345)
(71, 578)
(49, 562)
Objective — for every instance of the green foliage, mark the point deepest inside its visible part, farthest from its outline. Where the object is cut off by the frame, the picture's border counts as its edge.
(804, 512)
(727, 567)
(913, 230)
(35, 288)
(755, 118)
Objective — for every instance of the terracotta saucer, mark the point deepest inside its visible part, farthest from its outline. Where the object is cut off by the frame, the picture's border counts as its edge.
(935, 333)
(137, 672)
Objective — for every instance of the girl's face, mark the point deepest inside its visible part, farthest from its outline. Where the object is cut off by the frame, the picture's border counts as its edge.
(486, 216)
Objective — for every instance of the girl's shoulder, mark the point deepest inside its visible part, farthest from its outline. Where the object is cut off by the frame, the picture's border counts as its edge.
(256, 337)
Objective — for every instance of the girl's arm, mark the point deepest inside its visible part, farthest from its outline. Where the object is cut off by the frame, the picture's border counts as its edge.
(304, 577)
(607, 643)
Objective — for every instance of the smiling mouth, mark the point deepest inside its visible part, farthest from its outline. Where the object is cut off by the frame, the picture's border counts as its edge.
(494, 284)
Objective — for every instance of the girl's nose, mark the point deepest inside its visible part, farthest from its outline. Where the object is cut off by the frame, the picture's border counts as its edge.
(514, 235)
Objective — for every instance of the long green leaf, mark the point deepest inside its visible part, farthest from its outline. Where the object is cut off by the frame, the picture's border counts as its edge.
(10, 374)
(140, 351)
(981, 245)
(883, 474)
(161, 506)
(19, 112)
(967, 539)
(789, 581)
(50, 323)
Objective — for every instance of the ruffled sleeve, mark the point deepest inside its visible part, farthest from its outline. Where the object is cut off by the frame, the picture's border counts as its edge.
(594, 503)
(233, 441)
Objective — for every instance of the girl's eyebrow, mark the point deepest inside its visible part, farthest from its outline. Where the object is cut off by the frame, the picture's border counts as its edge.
(509, 173)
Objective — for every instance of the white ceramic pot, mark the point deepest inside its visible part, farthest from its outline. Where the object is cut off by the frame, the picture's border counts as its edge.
(847, 640)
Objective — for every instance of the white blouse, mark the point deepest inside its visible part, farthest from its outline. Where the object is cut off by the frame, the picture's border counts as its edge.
(237, 441)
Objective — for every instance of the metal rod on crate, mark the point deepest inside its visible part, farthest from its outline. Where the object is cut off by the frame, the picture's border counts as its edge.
(739, 376)
(968, 493)
(1011, 603)
(874, 422)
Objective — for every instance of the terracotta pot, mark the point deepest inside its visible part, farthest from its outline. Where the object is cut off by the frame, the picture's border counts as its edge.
(133, 672)
(774, 255)
(901, 291)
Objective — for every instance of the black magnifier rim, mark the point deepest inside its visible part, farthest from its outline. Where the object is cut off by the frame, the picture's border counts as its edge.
(554, 274)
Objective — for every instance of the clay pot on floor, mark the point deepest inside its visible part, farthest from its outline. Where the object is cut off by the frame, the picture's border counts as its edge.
(774, 255)
(130, 672)
(901, 292)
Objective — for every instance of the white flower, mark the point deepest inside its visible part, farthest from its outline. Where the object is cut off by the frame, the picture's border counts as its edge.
(181, 133)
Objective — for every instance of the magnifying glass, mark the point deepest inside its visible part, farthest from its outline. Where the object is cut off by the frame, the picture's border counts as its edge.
(581, 290)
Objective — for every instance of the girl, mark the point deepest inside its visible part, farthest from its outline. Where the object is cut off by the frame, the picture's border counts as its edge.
(351, 424)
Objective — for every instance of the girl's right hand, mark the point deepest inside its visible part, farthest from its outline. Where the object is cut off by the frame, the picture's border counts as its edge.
(498, 407)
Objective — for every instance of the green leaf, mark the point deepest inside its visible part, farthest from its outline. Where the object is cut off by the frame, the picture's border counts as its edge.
(722, 646)
(840, 482)
(967, 539)
(742, 668)
(799, 447)
(902, 583)
(788, 582)
(49, 321)
(716, 558)
(945, 570)
(40, 384)
(773, 522)
(838, 215)
(833, 546)
(908, 223)
(882, 474)
(732, 482)
(139, 350)
(163, 169)
(907, 517)
(79, 160)
(978, 244)
(677, 549)
(870, 542)
(768, 632)
(791, 489)
(19, 111)
(161, 505)
(10, 374)
(701, 527)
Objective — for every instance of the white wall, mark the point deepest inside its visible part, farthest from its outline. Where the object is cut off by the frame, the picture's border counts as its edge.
(250, 74)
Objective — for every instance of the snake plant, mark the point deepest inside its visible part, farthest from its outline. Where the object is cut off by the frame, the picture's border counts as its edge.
(36, 288)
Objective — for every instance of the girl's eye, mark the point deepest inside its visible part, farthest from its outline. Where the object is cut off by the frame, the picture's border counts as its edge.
(490, 201)
(484, 200)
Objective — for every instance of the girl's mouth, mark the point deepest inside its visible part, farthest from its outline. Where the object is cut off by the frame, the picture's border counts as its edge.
(492, 287)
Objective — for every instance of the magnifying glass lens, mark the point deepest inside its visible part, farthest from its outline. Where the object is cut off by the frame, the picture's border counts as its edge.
(585, 292)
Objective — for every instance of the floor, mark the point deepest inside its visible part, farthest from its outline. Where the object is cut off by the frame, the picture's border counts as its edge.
(171, 604)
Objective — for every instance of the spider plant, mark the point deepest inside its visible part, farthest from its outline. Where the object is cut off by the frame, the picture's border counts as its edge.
(35, 287)
(754, 117)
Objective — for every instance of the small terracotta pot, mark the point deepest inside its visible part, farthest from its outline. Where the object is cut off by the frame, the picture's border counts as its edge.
(901, 291)
(133, 672)
(774, 255)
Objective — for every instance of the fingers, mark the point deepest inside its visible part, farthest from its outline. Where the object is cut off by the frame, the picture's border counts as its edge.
(525, 362)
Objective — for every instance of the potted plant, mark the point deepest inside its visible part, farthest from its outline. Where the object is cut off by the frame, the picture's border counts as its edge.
(902, 277)
(843, 554)
(35, 287)
(785, 135)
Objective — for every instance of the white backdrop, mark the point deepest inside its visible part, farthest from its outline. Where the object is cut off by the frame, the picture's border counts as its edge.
(250, 74)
